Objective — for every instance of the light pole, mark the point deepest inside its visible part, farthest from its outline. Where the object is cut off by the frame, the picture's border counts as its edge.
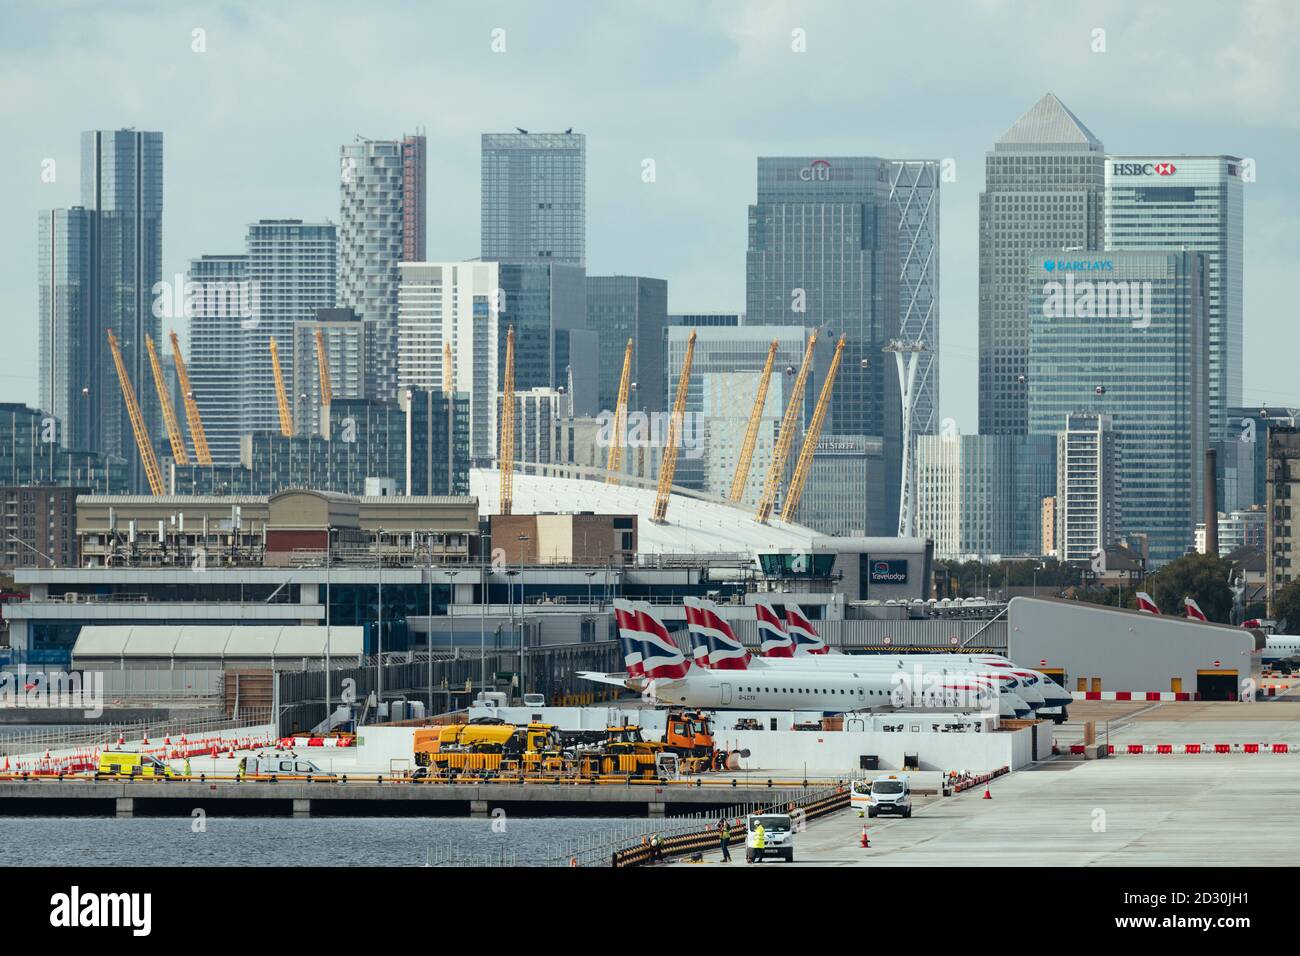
(451, 633)
(429, 623)
(329, 547)
(590, 574)
(523, 650)
(379, 628)
(482, 625)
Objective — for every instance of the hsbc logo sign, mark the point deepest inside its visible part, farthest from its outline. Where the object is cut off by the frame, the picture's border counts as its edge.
(1143, 169)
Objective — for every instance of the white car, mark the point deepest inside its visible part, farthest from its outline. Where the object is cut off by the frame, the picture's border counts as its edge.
(778, 837)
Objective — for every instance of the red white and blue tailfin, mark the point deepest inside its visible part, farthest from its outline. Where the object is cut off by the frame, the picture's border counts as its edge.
(661, 658)
(774, 640)
(629, 634)
(801, 631)
(1146, 604)
(722, 650)
(1194, 611)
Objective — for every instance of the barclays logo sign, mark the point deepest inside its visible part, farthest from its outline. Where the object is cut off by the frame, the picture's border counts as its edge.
(1078, 265)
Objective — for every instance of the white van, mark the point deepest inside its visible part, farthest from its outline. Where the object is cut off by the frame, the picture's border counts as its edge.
(281, 764)
(778, 837)
(890, 794)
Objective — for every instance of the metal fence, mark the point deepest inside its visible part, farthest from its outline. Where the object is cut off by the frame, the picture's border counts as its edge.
(38, 740)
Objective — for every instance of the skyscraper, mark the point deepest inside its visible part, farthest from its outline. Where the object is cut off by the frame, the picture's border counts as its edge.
(534, 197)
(343, 336)
(1043, 190)
(292, 268)
(381, 224)
(1123, 334)
(628, 307)
(1193, 203)
(823, 252)
(220, 305)
(546, 303)
(122, 192)
(67, 324)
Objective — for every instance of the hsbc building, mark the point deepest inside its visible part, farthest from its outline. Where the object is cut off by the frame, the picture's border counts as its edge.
(1172, 202)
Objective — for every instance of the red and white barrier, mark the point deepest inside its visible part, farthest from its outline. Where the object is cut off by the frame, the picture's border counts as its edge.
(87, 761)
(1133, 695)
(1115, 750)
(289, 743)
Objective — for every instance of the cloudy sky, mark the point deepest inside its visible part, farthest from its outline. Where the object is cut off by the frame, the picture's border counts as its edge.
(252, 125)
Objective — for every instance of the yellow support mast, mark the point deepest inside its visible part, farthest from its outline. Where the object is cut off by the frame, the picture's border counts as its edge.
(785, 440)
(506, 450)
(137, 421)
(197, 434)
(614, 465)
(286, 418)
(448, 373)
(323, 364)
(800, 476)
(174, 434)
(668, 467)
(746, 458)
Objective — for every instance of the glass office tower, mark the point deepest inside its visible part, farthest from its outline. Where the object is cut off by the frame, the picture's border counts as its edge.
(824, 252)
(534, 197)
(1193, 203)
(1124, 334)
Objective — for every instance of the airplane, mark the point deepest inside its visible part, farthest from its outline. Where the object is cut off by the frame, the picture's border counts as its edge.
(718, 642)
(658, 669)
(1280, 648)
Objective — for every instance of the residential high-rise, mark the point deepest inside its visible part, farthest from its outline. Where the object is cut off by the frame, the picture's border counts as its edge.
(221, 303)
(292, 268)
(437, 442)
(534, 197)
(1243, 453)
(381, 224)
(1087, 500)
(1123, 334)
(67, 324)
(621, 308)
(122, 194)
(30, 454)
(1193, 203)
(454, 304)
(1044, 183)
(823, 252)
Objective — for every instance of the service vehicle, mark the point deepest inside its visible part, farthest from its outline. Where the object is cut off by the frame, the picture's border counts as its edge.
(890, 794)
(124, 763)
(281, 765)
(778, 837)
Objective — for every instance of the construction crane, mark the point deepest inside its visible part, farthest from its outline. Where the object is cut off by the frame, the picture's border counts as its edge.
(197, 434)
(785, 439)
(448, 374)
(668, 467)
(751, 431)
(174, 434)
(286, 419)
(137, 421)
(323, 363)
(506, 451)
(614, 465)
(800, 476)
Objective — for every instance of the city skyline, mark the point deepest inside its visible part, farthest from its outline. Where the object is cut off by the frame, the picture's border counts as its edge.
(687, 225)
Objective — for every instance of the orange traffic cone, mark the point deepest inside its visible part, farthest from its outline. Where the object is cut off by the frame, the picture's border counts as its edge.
(866, 842)
(987, 795)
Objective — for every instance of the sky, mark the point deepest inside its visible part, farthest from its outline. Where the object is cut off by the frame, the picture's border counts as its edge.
(252, 124)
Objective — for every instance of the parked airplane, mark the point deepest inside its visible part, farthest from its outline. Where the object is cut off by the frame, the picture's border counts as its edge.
(658, 669)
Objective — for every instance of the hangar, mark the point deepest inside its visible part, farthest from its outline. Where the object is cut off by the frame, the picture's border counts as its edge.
(1094, 649)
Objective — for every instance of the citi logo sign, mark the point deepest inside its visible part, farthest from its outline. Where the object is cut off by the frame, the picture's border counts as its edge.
(1143, 169)
(818, 171)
